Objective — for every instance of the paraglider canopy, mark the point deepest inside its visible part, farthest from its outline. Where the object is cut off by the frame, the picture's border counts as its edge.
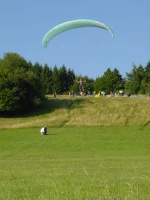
(79, 23)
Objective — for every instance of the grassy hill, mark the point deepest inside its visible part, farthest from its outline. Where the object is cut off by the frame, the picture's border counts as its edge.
(85, 111)
(84, 155)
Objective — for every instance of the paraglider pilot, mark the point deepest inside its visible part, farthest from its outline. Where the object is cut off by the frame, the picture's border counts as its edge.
(81, 88)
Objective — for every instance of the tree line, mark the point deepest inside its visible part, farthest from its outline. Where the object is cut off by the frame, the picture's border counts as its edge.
(23, 85)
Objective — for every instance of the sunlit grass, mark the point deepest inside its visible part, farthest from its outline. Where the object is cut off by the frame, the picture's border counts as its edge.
(84, 111)
(75, 163)
(96, 148)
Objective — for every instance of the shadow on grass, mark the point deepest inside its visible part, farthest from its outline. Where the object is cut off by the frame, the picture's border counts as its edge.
(48, 134)
(52, 104)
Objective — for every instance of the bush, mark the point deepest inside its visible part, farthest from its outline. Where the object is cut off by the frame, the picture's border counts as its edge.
(20, 88)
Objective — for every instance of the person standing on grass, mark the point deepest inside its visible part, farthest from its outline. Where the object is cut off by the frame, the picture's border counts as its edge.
(43, 130)
(81, 82)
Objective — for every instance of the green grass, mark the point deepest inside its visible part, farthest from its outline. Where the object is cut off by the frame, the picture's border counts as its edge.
(66, 111)
(75, 163)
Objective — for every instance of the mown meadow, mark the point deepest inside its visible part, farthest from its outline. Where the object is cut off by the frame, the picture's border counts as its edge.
(96, 148)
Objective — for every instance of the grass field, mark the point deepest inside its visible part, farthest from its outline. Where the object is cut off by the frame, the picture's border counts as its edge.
(75, 163)
(91, 152)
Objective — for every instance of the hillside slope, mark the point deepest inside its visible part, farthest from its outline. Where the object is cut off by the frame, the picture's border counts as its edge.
(85, 111)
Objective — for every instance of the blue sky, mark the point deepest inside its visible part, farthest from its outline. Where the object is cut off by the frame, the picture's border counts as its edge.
(88, 51)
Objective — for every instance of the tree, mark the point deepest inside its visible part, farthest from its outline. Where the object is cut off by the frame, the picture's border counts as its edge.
(20, 89)
(13, 60)
(63, 79)
(56, 80)
(70, 77)
(46, 78)
(111, 81)
(147, 78)
(37, 69)
(117, 80)
(134, 80)
(75, 87)
(89, 85)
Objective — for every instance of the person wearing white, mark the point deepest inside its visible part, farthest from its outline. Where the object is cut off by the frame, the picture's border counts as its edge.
(43, 130)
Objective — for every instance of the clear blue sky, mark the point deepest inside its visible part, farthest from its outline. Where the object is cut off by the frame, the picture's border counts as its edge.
(88, 51)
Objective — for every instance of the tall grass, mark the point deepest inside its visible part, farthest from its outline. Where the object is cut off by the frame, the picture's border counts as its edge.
(85, 111)
(75, 163)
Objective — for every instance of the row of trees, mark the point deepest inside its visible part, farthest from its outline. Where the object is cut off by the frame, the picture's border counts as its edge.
(23, 85)
(63, 81)
(136, 82)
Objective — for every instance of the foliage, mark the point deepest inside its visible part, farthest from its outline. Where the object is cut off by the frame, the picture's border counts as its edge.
(111, 81)
(20, 89)
(23, 84)
(138, 80)
(56, 80)
(88, 85)
(46, 77)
